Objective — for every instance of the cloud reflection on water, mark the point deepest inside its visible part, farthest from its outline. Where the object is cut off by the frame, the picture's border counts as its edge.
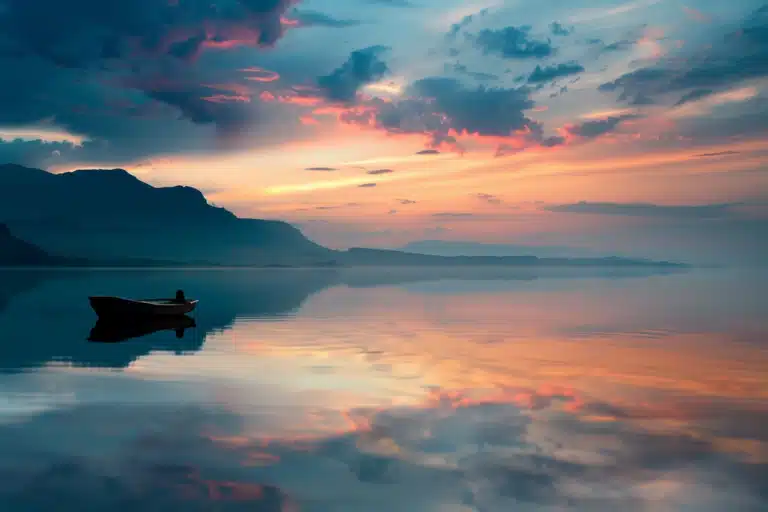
(447, 395)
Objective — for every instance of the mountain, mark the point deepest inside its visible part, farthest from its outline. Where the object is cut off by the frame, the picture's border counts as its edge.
(16, 252)
(108, 215)
(461, 248)
(384, 257)
(110, 218)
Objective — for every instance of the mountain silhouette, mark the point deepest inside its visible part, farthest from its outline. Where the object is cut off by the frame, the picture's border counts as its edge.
(466, 248)
(107, 215)
(110, 217)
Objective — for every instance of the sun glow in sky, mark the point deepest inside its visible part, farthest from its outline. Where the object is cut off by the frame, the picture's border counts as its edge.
(381, 122)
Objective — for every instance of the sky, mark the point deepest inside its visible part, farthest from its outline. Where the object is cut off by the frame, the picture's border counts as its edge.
(633, 127)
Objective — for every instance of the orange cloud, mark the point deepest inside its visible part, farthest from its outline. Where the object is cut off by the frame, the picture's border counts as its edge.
(257, 74)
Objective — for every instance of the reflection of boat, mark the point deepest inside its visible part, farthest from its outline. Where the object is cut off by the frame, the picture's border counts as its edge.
(117, 307)
(112, 331)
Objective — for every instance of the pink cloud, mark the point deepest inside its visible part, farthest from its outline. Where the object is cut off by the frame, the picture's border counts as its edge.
(227, 98)
(257, 74)
(697, 15)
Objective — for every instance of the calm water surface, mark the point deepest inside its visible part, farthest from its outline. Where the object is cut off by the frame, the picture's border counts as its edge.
(389, 390)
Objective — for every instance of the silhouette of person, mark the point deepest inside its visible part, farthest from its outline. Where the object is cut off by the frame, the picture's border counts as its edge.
(180, 298)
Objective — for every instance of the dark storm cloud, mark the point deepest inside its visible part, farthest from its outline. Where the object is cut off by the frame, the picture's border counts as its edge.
(428, 152)
(34, 153)
(121, 72)
(739, 56)
(596, 128)
(707, 211)
(363, 67)
(78, 33)
(512, 43)
(381, 171)
(549, 73)
(319, 19)
(194, 106)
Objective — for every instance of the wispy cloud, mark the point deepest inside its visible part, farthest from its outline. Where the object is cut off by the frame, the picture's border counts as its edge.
(705, 211)
(593, 14)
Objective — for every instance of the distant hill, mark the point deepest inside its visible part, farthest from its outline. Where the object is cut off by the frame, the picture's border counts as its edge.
(461, 248)
(16, 252)
(383, 257)
(108, 215)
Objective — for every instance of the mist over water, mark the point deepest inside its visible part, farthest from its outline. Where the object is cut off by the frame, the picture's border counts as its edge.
(389, 390)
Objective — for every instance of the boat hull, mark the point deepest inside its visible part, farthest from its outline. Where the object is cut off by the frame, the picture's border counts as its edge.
(116, 307)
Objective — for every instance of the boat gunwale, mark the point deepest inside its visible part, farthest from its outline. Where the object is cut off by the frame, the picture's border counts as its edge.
(151, 302)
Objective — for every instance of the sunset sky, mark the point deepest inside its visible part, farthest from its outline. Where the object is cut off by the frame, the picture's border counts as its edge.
(633, 127)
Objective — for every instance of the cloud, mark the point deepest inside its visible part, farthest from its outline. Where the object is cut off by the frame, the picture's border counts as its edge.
(694, 95)
(428, 152)
(381, 171)
(127, 74)
(367, 185)
(453, 214)
(549, 73)
(623, 44)
(319, 19)
(558, 29)
(393, 3)
(597, 13)
(363, 67)
(555, 140)
(463, 23)
(512, 43)
(489, 198)
(78, 33)
(732, 58)
(707, 211)
(35, 153)
(192, 101)
(479, 76)
(406, 201)
(598, 127)
(202, 457)
(321, 169)
(719, 153)
(443, 108)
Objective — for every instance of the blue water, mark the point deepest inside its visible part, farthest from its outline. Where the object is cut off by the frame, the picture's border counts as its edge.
(388, 390)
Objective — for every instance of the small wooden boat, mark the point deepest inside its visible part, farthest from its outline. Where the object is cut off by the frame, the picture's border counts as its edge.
(117, 307)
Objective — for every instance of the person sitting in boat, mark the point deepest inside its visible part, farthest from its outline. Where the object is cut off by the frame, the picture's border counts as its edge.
(180, 298)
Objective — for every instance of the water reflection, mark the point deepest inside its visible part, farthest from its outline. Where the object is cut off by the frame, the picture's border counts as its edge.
(117, 330)
(395, 390)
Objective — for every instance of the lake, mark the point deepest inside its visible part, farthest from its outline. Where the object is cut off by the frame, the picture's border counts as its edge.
(451, 390)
